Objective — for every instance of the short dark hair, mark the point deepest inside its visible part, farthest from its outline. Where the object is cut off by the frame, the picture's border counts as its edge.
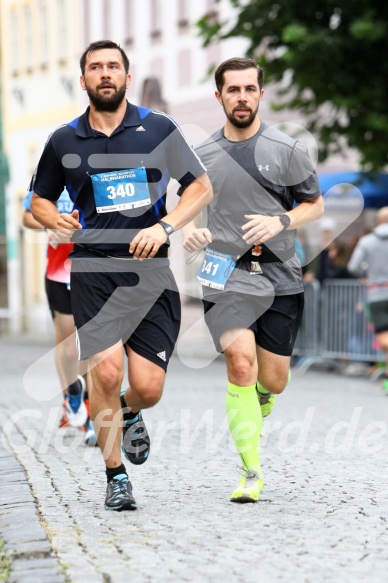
(103, 44)
(237, 64)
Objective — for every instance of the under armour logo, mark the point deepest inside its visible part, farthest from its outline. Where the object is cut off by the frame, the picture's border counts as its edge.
(140, 129)
(263, 167)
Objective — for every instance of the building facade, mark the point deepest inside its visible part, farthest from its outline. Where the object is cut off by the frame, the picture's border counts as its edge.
(41, 43)
(40, 46)
(4, 174)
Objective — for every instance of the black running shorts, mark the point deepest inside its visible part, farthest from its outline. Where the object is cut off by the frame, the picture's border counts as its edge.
(139, 308)
(379, 315)
(275, 325)
(58, 297)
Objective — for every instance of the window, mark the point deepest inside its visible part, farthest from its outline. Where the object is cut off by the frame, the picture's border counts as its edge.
(86, 19)
(43, 32)
(129, 14)
(15, 41)
(61, 30)
(212, 11)
(29, 36)
(155, 19)
(152, 95)
(183, 13)
(107, 19)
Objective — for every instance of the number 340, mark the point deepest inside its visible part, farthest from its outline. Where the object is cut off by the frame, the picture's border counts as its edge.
(121, 190)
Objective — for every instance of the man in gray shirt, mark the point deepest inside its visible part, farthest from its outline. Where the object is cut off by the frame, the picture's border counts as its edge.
(370, 257)
(251, 276)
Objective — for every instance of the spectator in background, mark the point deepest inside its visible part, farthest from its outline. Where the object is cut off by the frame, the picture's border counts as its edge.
(321, 268)
(338, 254)
(369, 258)
(75, 409)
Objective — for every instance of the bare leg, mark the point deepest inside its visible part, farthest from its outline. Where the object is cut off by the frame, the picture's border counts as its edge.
(146, 381)
(107, 370)
(273, 370)
(66, 358)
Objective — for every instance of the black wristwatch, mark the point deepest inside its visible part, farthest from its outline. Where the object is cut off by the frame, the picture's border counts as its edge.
(285, 220)
(168, 228)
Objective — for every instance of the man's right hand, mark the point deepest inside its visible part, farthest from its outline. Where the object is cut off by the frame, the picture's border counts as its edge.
(66, 225)
(196, 239)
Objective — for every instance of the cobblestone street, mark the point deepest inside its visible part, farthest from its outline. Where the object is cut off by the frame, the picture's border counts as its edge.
(323, 515)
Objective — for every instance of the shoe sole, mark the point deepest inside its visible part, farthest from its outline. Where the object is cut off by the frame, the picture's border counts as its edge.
(245, 497)
(124, 507)
(135, 461)
(79, 418)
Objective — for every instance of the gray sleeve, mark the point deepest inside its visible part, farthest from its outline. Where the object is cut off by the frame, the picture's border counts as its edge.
(357, 262)
(300, 175)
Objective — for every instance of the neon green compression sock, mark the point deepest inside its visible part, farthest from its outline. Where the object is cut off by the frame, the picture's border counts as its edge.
(245, 423)
(261, 389)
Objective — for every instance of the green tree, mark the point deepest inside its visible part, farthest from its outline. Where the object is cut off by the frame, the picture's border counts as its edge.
(330, 59)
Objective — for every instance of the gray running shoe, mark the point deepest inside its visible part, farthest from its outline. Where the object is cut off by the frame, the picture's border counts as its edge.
(119, 494)
(136, 441)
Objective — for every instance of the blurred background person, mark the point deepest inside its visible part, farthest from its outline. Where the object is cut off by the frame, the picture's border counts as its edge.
(321, 267)
(369, 258)
(75, 410)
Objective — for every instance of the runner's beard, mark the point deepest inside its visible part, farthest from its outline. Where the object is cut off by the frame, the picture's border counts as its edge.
(106, 102)
(242, 123)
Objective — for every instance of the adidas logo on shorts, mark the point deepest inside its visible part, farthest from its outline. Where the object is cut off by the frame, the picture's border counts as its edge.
(162, 355)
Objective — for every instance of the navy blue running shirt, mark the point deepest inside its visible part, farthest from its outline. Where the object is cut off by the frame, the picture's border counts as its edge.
(145, 138)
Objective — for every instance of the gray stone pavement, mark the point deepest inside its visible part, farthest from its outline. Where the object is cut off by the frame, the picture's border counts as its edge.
(323, 515)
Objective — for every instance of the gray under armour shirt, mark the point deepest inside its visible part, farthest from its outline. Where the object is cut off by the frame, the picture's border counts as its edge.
(265, 174)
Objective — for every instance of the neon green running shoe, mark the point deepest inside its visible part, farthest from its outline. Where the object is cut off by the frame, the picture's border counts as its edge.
(267, 402)
(249, 488)
(385, 385)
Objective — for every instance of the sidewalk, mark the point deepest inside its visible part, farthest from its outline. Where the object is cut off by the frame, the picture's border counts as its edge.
(322, 516)
(26, 547)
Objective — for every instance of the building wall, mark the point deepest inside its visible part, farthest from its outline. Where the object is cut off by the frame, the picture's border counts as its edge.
(164, 44)
(3, 243)
(41, 42)
(40, 46)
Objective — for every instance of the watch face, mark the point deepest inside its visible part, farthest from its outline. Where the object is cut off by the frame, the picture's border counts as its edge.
(168, 228)
(285, 220)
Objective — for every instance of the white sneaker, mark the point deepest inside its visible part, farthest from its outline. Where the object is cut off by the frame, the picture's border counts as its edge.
(76, 411)
(90, 436)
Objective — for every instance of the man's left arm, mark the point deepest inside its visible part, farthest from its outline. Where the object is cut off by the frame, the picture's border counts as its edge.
(194, 198)
(261, 228)
(302, 180)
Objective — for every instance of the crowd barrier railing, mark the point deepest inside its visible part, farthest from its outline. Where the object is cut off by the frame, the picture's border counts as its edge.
(335, 325)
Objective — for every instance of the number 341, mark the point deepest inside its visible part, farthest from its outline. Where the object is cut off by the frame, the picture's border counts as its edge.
(209, 267)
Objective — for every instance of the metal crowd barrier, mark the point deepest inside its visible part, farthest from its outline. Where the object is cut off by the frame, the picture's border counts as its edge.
(307, 341)
(335, 326)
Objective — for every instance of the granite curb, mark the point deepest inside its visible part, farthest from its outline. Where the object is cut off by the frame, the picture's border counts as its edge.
(25, 543)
